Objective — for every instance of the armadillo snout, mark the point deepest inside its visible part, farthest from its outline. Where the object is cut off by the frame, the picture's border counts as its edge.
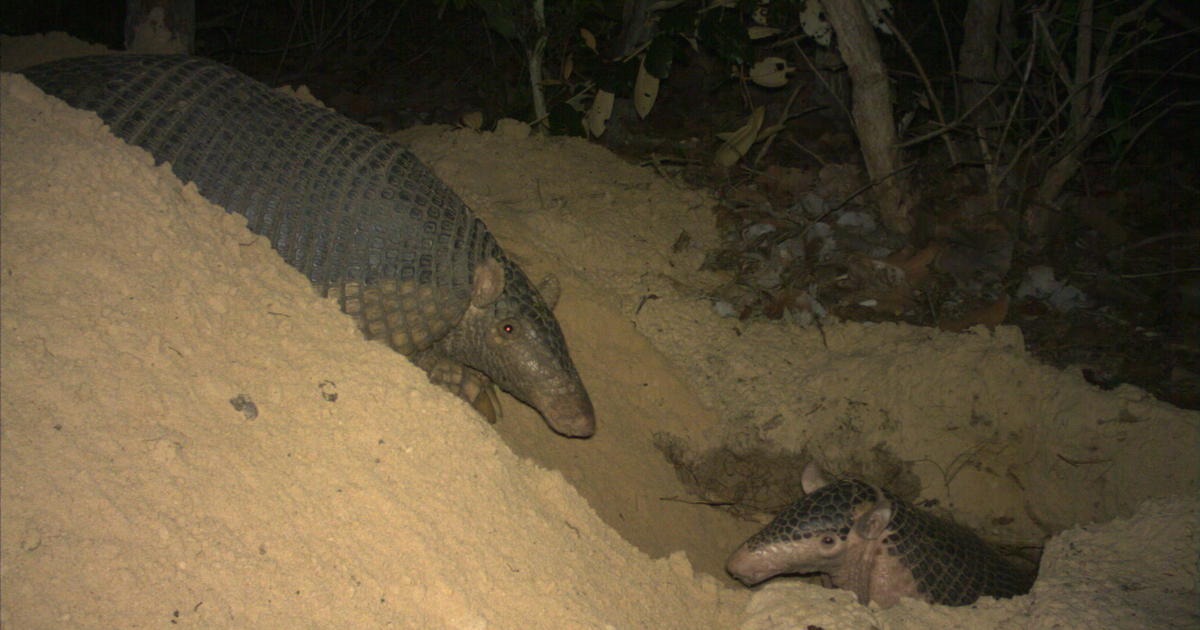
(569, 414)
(751, 566)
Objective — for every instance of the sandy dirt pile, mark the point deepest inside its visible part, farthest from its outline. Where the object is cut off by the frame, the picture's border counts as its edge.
(134, 492)
(1129, 574)
(1016, 449)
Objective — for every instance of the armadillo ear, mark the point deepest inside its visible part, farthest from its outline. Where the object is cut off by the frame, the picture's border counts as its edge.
(488, 283)
(813, 478)
(872, 524)
(550, 290)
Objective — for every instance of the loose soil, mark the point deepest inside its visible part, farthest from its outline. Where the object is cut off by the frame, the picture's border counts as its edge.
(138, 486)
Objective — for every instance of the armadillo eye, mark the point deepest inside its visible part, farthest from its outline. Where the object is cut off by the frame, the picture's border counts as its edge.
(508, 328)
(827, 540)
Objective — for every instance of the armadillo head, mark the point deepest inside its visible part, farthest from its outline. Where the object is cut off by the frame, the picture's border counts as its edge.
(818, 533)
(510, 334)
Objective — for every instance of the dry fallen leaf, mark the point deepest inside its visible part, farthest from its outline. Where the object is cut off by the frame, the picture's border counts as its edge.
(991, 316)
(762, 32)
(597, 117)
(787, 181)
(771, 72)
(568, 67)
(883, 286)
(645, 90)
(915, 266)
(473, 120)
(589, 40)
(739, 142)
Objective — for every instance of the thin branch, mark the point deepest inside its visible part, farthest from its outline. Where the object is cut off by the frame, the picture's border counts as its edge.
(783, 118)
(1083, 61)
(954, 124)
(1142, 130)
(821, 78)
(934, 101)
(1114, 27)
(937, 9)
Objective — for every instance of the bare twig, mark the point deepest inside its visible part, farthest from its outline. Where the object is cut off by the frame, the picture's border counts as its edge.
(934, 102)
(1152, 274)
(945, 128)
(783, 118)
(828, 88)
(937, 9)
(1142, 129)
(820, 160)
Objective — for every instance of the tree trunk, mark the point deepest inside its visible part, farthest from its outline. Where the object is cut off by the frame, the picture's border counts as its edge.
(872, 111)
(977, 57)
(536, 52)
(633, 28)
(160, 26)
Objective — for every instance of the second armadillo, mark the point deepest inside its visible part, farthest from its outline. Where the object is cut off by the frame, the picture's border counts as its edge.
(871, 542)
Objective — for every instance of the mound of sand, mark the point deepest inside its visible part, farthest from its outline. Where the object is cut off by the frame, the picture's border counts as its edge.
(138, 488)
(135, 493)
